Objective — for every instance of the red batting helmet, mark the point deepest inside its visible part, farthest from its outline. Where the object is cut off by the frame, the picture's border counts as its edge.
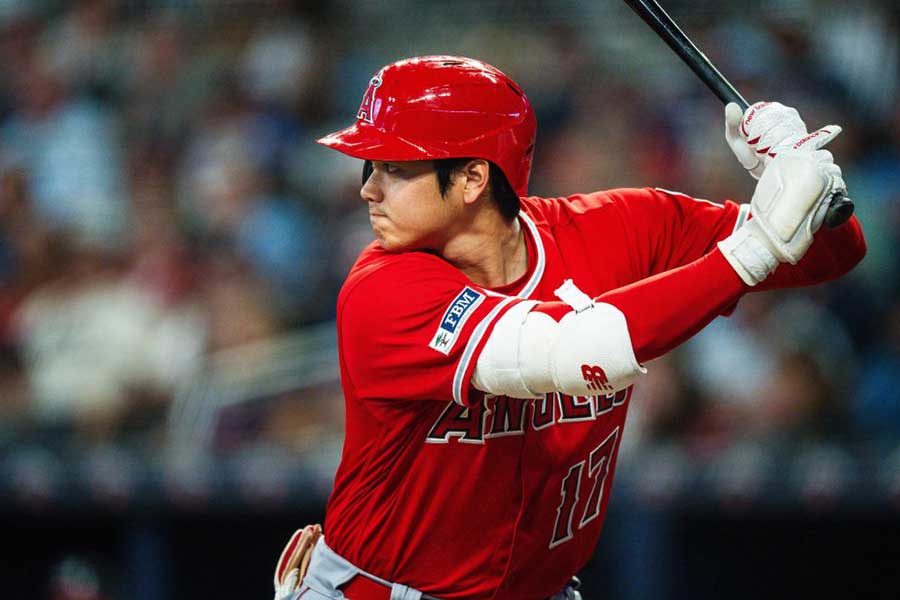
(433, 107)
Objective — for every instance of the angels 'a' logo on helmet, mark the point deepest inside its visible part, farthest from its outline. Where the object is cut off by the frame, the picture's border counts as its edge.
(367, 108)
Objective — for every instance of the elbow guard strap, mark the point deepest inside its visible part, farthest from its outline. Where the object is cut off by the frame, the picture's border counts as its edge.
(587, 353)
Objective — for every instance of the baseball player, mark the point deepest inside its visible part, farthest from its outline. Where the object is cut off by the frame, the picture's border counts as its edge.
(490, 341)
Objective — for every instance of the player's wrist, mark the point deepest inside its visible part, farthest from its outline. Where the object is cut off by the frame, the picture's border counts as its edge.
(749, 254)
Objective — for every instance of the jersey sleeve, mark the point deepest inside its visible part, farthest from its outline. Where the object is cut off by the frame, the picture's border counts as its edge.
(833, 253)
(412, 329)
(669, 229)
(660, 229)
(664, 230)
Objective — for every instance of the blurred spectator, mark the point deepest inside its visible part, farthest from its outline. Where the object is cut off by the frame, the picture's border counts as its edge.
(92, 342)
(75, 185)
(227, 196)
(164, 84)
(776, 368)
(28, 258)
(798, 404)
(236, 305)
(876, 174)
(734, 356)
(304, 423)
(876, 410)
(667, 411)
(76, 578)
(84, 46)
(278, 64)
(860, 50)
(27, 251)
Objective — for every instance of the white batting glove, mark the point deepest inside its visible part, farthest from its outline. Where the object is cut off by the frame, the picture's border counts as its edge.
(767, 129)
(788, 207)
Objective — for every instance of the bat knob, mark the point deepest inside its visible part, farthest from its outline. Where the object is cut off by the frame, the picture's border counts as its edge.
(840, 209)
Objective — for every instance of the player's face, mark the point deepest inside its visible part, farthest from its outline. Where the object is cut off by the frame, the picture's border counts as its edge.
(406, 208)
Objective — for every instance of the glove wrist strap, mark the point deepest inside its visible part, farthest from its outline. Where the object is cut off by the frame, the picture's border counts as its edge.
(748, 256)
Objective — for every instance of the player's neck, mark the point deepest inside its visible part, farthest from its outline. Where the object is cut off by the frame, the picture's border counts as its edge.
(492, 252)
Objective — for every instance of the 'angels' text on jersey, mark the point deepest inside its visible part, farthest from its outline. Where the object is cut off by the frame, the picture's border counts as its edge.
(498, 416)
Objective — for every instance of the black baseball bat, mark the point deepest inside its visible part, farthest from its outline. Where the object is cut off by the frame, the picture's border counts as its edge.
(840, 208)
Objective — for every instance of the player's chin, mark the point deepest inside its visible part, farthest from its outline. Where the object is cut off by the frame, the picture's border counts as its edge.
(393, 243)
(380, 234)
(386, 241)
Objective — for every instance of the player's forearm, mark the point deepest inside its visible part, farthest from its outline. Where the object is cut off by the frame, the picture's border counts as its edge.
(665, 310)
(833, 253)
(582, 346)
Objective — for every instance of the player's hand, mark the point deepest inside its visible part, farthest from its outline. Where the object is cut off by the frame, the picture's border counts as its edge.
(294, 560)
(787, 208)
(768, 128)
(790, 202)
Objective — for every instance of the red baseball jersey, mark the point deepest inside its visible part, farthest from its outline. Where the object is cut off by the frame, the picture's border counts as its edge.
(466, 495)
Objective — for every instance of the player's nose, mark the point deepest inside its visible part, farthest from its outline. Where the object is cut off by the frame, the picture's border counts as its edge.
(369, 190)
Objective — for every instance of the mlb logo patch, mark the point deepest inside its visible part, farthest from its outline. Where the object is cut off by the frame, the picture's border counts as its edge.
(454, 318)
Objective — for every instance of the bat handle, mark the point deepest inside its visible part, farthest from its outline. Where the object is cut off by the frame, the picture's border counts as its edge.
(840, 207)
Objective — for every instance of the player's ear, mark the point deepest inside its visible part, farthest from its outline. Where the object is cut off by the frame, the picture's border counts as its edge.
(475, 178)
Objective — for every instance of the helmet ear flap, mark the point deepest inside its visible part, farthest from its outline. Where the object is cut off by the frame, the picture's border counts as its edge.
(367, 171)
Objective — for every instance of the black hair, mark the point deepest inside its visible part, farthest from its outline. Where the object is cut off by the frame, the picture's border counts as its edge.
(500, 190)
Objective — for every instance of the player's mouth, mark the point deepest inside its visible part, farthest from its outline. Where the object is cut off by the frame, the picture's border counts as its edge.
(377, 221)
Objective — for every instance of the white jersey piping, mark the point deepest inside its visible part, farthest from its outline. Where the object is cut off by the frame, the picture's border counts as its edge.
(525, 292)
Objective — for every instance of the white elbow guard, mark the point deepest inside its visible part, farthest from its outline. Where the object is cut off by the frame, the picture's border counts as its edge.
(587, 353)
(498, 370)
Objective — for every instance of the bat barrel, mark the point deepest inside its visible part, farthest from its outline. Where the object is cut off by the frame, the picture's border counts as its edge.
(665, 27)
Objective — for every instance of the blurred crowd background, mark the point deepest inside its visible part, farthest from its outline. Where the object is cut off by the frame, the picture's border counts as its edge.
(172, 243)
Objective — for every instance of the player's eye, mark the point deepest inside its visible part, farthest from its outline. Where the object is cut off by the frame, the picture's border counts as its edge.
(391, 168)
